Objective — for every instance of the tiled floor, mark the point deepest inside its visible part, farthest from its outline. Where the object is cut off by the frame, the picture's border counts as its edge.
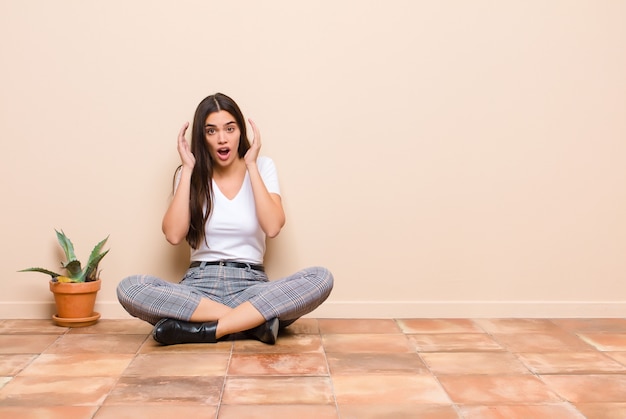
(320, 368)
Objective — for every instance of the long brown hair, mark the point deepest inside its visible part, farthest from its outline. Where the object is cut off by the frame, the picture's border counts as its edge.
(201, 194)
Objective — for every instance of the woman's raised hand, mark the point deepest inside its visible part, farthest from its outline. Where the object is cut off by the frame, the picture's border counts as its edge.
(186, 156)
(255, 145)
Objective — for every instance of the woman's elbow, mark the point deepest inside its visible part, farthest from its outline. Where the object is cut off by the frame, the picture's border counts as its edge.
(173, 237)
(272, 231)
(173, 240)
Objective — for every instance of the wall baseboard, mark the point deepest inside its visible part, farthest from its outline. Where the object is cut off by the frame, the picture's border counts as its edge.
(384, 309)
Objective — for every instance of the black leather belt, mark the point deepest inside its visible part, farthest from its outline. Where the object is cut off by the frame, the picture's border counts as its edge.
(228, 263)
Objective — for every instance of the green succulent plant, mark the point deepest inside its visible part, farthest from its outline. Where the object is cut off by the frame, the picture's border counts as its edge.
(75, 271)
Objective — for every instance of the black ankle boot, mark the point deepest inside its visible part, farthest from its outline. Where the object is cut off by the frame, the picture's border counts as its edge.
(266, 333)
(171, 332)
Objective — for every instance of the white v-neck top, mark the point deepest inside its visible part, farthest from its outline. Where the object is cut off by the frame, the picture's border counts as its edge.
(233, 231)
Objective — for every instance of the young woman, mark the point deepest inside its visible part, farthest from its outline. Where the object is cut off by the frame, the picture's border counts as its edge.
(226, 202)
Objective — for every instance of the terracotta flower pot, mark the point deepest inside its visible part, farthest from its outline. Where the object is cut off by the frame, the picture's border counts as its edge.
(75, 303)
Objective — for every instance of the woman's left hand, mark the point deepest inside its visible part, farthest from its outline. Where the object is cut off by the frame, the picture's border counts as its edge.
(255, 145)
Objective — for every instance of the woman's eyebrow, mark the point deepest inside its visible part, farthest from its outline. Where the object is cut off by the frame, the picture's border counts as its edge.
(215, 126)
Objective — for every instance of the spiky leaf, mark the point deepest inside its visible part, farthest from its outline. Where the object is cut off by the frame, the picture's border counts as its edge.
(74, 268)
(66, 245)
(42, 270)
(91, 271)
(96, 251)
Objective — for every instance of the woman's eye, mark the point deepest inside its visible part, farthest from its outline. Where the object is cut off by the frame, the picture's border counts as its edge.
(210, 131)
(230, 129)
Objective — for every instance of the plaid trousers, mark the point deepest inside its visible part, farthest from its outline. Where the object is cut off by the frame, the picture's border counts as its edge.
(152, 299)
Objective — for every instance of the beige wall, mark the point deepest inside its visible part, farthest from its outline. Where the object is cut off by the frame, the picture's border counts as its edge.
(442, 158)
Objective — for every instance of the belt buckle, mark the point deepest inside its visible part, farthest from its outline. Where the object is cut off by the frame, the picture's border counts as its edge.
(221, 263)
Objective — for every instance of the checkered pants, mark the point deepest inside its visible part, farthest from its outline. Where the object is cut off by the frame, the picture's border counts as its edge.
(152, 299)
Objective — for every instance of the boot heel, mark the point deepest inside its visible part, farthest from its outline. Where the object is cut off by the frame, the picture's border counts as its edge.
(266, 333)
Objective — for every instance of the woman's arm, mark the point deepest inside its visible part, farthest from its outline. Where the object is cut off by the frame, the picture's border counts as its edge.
(178, 217)
(269, 206)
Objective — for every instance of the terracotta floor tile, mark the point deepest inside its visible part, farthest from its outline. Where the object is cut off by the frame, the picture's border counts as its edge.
(367, 343)
(605, 341)
(592, 325)
(312, 411)
(56, 391)
(551, 411)
(277, 390)
(497, 389)
(543, 342)
(375, 363)
(52, 412)
(436, 326)
(402, 389)
(589, 388)
(449, 342)
(278, 364)
(287, 344)
(30, 327)
(344, 326)
(156, 411)
(301, 326)
(115, 327)
(107, 344)
(517, 325)
(457, 363)
(397, 411)
(164, 390)
(618, 356)
(13, 364)
(570, 363)
(602, 410)
(78, 365)
(25, 344)
(178, 365)
(320, 368)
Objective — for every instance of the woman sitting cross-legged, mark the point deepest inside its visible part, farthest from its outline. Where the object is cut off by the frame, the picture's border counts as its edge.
(226, 202)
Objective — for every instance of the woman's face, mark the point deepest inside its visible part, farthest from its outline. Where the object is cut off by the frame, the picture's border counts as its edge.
(222, 135)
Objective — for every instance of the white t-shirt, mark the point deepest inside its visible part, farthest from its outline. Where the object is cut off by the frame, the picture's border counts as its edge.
(233, 231)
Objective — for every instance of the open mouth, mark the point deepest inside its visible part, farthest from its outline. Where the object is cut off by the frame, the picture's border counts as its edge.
(223, 152)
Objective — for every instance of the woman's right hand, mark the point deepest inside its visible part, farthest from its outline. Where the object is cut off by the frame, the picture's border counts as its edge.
(186, 156)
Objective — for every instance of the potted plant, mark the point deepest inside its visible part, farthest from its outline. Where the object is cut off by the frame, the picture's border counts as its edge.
(75, 292)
